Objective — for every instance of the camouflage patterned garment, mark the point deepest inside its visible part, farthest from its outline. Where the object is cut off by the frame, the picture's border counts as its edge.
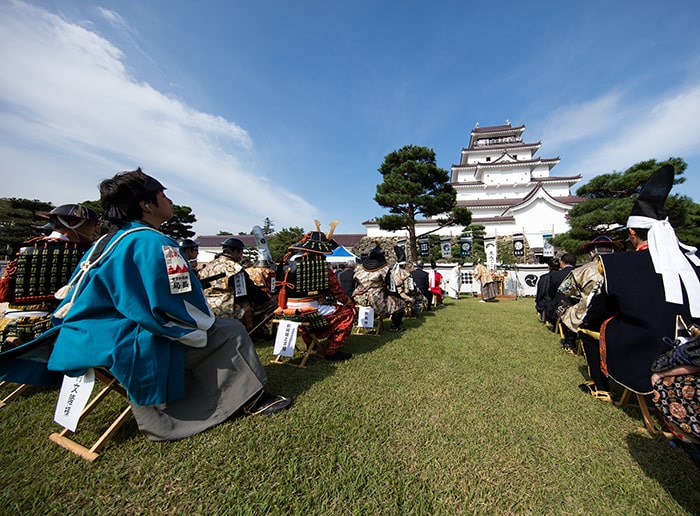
(403, 283)
(578, 286)
(372, 291)
(220, 296)
(261, 276)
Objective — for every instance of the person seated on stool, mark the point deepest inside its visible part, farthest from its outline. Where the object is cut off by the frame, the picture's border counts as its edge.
(190, 249)
(373, 290)
(308, 289)
(69, 223)
(235, 295)
(579, 286)
(135, 308)
(644, 292)
(421, 281)
(400, 281)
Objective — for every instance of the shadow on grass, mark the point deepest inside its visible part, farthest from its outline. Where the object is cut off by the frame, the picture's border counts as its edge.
(671, 468)
(294, 381)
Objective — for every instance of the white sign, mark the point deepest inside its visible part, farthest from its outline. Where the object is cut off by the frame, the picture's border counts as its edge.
(72, 399)
(491, 254)
(365, 317)
(446, 247)
(286, 338)
(547, 247)
(239, 288)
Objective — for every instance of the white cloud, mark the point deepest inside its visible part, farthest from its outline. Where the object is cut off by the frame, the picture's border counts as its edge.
(616, 131)
(576, 121)
(71, 115)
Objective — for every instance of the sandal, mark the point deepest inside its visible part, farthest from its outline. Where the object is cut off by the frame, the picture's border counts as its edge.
(264, 403)
(602, 396)
(589, 388)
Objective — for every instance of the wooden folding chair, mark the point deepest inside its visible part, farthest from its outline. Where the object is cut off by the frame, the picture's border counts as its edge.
(315, 344)
(24, 366)
(15, 392)
(634, 399)
(375, 330)
(558, 328)
(91, 451)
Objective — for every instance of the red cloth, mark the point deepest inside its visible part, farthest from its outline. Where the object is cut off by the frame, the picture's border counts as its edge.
(435, 282)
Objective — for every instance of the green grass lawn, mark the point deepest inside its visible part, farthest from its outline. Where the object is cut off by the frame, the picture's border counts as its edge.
(474, 409)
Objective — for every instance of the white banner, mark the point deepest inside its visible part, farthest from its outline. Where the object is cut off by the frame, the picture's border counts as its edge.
(491, 253)
(547, 247)
(72, 399)
(446, 247)
(286, 338)
(365, 317)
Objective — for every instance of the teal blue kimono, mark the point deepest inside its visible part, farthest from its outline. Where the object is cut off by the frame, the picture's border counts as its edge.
(134, 312)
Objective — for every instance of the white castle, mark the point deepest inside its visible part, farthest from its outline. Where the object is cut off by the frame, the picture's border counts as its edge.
(507, 189)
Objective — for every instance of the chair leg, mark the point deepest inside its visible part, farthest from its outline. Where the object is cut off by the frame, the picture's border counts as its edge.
(640, 402)
(19, 390)
(91, 453)
(315, 344)
(559, 328)
(309, 349)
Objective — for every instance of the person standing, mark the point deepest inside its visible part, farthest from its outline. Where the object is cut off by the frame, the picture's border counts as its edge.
(488, 287)
(454, 282)
(436, 284)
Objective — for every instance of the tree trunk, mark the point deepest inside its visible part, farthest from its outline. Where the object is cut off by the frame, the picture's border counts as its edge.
(411, 248)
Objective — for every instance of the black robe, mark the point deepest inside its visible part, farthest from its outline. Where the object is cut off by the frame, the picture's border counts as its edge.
(642, 317)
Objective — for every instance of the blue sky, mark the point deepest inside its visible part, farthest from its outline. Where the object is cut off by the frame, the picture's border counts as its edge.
(279, 109)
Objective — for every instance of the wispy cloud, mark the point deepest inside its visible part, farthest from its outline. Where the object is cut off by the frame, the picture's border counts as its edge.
(67, 99)
(574, 122)
(616, 130)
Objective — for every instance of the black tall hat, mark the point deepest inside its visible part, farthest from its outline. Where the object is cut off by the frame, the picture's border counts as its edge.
(400, 254)
(650, 203)
(375, 260)
(675, 266)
